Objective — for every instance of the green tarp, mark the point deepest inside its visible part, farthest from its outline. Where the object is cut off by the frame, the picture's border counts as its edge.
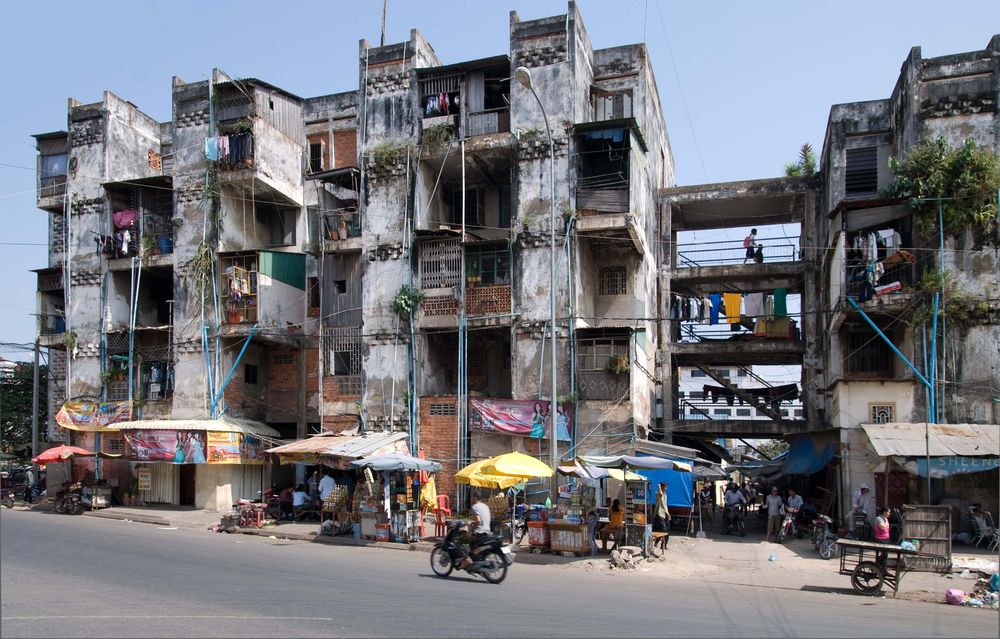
(289, 268)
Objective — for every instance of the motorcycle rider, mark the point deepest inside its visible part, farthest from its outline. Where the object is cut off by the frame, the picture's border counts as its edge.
(794, 502)
(479, 528)
(732, 500)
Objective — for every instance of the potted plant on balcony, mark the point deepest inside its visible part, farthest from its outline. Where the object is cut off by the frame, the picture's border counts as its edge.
(619, 364)
(148, 246)
(342, 227)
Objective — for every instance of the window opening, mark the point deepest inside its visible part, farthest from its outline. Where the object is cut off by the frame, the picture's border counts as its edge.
(613, 280)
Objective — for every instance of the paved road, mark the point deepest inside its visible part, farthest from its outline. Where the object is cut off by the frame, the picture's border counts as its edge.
(84, 577)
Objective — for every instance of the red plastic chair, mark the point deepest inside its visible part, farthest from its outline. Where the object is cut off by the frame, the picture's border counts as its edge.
(441, 513)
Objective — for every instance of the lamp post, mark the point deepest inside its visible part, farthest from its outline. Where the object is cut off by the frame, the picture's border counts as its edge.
(523, 76)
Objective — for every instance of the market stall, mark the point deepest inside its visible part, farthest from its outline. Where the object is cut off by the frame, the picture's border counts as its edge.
(501, 472)
(391, 509)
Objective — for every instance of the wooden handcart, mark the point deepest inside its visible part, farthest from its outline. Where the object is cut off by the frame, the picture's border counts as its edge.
(871, 565)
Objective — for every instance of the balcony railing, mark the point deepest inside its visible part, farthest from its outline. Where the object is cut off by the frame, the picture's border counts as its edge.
(480, 300)
(772, 249)
(487, 122)
(856, 276)
(54, 186)
(602, 385)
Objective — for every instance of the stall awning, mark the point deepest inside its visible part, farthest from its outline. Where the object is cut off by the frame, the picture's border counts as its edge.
(221, 425)
(810, 454)
(909, 439)
(314, 449)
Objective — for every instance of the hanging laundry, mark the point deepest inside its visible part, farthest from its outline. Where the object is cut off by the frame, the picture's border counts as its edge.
(780, 302)
(211, 149)
(732, 301)
(223, 148)
(753, 304)
(706, 310)
(716, 304)
(125, 219)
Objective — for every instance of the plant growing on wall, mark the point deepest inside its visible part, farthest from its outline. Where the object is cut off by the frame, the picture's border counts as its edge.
(202, 266)
(805, 165)
(529, 135)
(106, 376)
(963, 181)
(619, 363)
(406, 301)
(437, 134)
(387, 154)
(69, 341)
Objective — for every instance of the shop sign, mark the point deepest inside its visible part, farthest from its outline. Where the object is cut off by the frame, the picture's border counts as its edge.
(223, 448)
(145, 477)
(949, 465)
(93, 416)
(171, 446)
(523, 418)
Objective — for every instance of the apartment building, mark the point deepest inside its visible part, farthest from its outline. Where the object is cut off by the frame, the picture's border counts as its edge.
(374, 260)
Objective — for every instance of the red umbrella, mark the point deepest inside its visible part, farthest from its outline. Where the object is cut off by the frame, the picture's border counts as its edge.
(62, 453)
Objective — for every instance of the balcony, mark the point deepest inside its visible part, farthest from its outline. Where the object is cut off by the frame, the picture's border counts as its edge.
(266, 289)
(141, 212)
(486, 304)
(53, 160)
(474, 96)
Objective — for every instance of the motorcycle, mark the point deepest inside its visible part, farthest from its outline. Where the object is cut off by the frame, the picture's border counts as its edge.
(69, 500)
(7, 498)
(823, 538)
(789, 526)
(732, 520)
(490, 555)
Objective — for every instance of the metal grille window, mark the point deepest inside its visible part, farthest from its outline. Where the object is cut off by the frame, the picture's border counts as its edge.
(342, 350)
(440, 263)
(595, 352)
(882, 413)
(114, 444)
(861, 174)
(868, 354)
(613, 280)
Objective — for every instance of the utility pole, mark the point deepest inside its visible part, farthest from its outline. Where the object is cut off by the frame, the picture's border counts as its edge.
(34, 406)
(381, 41)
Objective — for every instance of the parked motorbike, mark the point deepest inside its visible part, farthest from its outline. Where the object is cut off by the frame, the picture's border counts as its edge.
(69, 500)
(822, 536)
(789, 525)
(490, 555)
(7, 498)
(732, 521)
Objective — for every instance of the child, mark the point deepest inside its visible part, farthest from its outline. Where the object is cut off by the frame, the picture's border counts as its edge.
(592, 531)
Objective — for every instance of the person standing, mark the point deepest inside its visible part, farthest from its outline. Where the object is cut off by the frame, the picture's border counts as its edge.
(748, 243)
(661, 514)
(29, 482)
(326, 485)
(882, 525)
(774, 504)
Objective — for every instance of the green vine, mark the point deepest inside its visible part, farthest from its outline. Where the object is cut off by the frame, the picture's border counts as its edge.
(69, 340)
(962, 181)
(406, 301)
(241, 125)
(202, 266)
(437, 134)
(528, 135)
(619, 363)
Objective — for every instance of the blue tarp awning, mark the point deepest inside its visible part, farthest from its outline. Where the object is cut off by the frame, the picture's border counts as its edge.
(808, 455)
(680, 486)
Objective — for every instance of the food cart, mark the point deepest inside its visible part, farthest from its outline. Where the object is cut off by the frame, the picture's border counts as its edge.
(393, 513)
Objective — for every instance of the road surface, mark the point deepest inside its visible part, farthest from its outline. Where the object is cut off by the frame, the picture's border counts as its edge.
(71, 576)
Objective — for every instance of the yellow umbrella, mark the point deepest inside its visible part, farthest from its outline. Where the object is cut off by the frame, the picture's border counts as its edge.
(517, 465)
(475, 475)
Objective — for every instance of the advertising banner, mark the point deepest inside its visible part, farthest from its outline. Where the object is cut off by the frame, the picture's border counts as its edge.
(145, 477)
(92, 416)
(252, 450)
(523, 418)
(223, 448)
(171, 446)
(948, 466)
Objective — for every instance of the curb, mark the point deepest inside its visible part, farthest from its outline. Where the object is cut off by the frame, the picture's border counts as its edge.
(142, 519)
(317, 538)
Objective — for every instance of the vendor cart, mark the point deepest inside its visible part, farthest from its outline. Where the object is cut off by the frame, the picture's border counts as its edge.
(871, 564)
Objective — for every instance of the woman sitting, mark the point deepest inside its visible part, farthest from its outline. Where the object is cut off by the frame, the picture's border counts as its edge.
(616, 523)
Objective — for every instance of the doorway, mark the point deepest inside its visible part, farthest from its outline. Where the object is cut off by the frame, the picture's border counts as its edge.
(186, 488)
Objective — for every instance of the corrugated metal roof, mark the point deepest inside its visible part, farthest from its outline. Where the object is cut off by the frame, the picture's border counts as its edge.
(908, 440)
(364, 444)
(222, 425)
(311, 445)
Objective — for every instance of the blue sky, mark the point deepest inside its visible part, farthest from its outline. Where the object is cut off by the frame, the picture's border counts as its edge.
(743, 85)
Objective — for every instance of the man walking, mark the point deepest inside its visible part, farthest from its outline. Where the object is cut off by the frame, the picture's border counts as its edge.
(774, 504)
(749, 243)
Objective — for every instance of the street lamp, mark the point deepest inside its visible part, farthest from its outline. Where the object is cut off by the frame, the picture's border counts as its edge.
(523, 76)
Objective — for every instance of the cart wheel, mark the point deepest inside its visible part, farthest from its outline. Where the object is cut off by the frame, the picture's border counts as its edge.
(867, 578)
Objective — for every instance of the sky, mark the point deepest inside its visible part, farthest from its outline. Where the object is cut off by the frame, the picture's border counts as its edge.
(743, 84)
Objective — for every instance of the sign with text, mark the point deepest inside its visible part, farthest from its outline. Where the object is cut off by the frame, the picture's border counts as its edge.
(145, 477)
(523, 418)
(93, 416)
(223, 448)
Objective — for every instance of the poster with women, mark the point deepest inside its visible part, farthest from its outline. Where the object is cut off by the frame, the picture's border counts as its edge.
(523, 418)
(171, 446)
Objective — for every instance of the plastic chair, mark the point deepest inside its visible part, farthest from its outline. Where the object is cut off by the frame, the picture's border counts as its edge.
(444, 504)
